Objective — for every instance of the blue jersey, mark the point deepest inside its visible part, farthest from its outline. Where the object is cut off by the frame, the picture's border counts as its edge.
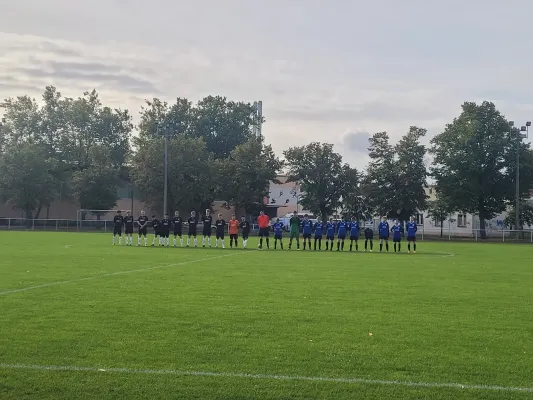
(318, 229)
(330, 229)
(278, 229)
(384, 228)
(354, 229)
(397, 232)
(342, 228)
(411, 229)
(307, 227)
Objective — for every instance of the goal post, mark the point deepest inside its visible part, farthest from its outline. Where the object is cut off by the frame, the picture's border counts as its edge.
(100, 220)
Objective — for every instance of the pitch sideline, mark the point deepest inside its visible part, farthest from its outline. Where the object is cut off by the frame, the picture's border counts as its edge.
(364, 381)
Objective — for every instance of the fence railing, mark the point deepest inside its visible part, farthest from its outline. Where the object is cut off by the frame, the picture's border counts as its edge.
(434, 233)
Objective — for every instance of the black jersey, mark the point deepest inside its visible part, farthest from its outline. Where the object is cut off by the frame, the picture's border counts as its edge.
(155, 224)
(165, 224)
(143, 220)
(178, 224)
(369, 233)
(220, 224)
(193, 224)
(118, 221)
(128, 222)
(208, 221)
(245, 226)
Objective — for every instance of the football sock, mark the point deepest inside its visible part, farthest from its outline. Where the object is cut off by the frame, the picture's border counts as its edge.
(342, 245)
(209, 241)
(188, 241)
(195, 242)
(120, 240)
(381, 247)
(268, 243)
(387, 246)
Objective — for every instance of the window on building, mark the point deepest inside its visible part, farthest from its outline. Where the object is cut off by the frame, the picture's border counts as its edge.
(420, 219)
(461, 220)
(430, 190)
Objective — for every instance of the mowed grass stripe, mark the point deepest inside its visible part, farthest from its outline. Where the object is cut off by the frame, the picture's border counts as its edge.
(269, 377)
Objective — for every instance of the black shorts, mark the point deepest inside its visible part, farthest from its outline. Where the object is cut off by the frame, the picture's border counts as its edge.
(245, 235)
(341, 237)
(206, 232)
(369, 237)
(330, 237)
(264, 232)
(220, 235)
(354, 237)
(165, 234)
(129, 230)
(143, 231)
(307, 236)
(411, 238)
(383, 237)
(157, 232)
(319, 237)
(233, 236)
(278, 237)
(191, 233)
(177, 233)
(397, 240)
(117, 230)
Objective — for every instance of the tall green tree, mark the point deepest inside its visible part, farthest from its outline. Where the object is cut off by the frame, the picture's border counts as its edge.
(321, 174)
(26, 182)
(222, 124)
(192, 174)
(440, 210)
(356, 200)
(96, 187)
(526, 216)
(396, 175)
(246, 174)
(475, 161)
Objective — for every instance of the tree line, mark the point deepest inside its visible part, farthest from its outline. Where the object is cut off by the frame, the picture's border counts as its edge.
(83, 150)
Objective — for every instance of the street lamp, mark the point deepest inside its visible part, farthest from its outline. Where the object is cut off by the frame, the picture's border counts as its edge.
(165, 183)
(519, 136)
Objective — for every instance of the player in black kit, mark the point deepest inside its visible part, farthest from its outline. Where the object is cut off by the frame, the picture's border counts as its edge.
(143, 228)
(178, 224)
(118, 221)
(128, 228)
(206, 230)
(245, 227)
(193, 224)
(157, 227)
(165, 230)
(220, 227)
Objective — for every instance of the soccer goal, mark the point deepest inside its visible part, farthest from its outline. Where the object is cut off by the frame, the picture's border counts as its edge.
(99, 220)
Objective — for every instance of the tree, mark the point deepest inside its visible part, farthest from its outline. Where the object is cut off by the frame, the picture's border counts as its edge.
(526, 215)
(191, 173)
(355, 201)
(396, 175)
(321, 174)
(246, 174)
(26, 182)
(222, 124)
(475, 160)
(96, 187)
(440, 210)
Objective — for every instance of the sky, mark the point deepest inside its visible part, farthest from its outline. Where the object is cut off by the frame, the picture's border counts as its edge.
(330, 71)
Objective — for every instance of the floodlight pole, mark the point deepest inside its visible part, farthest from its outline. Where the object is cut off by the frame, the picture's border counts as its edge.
(519, 137)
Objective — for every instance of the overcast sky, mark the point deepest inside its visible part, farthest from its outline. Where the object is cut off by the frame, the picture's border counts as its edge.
(331, 71)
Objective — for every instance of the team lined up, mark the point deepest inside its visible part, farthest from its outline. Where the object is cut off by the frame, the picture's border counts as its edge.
(341, 231)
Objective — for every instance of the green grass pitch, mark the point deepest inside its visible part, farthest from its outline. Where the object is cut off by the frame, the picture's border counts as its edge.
(80, 319)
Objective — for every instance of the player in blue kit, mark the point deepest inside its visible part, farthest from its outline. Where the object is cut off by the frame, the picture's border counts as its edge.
(354, 234)
(307, 230)
(397, 236)
(319, 227)
(330, 234)
(411, 235)
(341, 234)
(384, 232)
(278, 234)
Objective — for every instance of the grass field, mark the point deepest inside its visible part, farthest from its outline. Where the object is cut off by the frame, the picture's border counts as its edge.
(81, 319)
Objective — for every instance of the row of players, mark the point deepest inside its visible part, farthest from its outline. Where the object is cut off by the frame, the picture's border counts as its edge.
(342, 230)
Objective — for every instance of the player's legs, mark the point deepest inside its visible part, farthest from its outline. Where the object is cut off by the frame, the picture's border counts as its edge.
(244, 240)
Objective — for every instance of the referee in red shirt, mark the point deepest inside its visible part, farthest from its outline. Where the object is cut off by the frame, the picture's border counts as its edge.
(264, 229)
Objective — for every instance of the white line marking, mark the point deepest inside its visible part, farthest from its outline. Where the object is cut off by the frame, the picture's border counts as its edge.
(270, 377)
(89, 278)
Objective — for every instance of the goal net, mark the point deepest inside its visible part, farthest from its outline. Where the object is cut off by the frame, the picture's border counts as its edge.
(96, 219)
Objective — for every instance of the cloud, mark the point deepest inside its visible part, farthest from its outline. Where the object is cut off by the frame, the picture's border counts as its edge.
(356, 141)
